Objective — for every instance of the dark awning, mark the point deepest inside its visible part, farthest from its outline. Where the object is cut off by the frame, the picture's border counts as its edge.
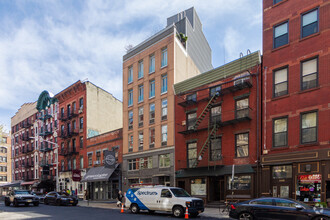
(97, 174)
(213, 171)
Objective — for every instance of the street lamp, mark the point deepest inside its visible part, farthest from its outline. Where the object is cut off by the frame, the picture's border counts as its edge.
(55, 148)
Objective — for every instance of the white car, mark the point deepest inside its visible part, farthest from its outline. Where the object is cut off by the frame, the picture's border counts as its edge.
(160, 198)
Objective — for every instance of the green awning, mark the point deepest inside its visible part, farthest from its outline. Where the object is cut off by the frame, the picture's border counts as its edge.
(213, 171)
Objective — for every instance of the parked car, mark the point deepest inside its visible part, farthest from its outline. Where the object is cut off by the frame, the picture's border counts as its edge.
(160, 198)
(61, 198)
(17, 197)
(40, 196)
(277, 208)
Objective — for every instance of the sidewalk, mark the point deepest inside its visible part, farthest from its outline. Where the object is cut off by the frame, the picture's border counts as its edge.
(208, 212)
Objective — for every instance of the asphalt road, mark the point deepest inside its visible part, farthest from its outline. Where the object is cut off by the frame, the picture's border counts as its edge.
(70, 212)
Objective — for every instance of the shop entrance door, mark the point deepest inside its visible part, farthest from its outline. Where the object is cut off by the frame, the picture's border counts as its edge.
(327, 192)
(281, 190)
(216, 189)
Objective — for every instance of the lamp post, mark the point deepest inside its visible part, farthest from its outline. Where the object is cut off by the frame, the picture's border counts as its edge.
(55, 148)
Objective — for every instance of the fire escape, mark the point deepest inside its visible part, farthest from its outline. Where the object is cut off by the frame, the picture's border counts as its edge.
(226, 118)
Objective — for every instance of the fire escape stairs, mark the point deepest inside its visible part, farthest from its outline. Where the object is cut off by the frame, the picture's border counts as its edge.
(206, 145)
(206, 109)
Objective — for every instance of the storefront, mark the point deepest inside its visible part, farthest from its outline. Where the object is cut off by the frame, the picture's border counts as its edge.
(304, 179)
(102, 183)
(309, 188)
(215, 184)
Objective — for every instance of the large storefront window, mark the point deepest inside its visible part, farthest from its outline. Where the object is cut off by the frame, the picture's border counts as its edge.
(198, 187)
(309, 188)
(282, 172)
(239, 183)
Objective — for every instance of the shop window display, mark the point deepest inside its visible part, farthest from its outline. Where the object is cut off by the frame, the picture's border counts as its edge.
(282, 172)
(198, 187)
(239, 183)
(309, 188)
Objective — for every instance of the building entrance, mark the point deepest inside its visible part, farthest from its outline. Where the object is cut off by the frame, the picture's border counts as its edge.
(216, 189)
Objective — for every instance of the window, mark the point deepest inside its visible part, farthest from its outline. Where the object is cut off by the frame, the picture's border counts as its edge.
(81, 162)
(282, 172)
(62, 130)
(69, 164)
(242, 145)
(192, 154)
(152, 63)
(151, 137)
(145, 163)
(81, 103)
(98, 157)
(141, 90)
(280, 82)
(164, 160)
(276, 1)
(152, 89)
(130, 74)
(263, 201)
(308, 127)
(130, 143)
(281, 35)
(164, 135)
(62, 112)
(216, 114)
(74, 165)
(280, 132)
(215, 90)
(62, 165)
(309, 23)
(140, 74)
(69, 110)
(73, 145)
(140, 116)
(90, 159)
(133, 164)
(164, 57)
(215, 149)
(242, 108)
(152, 113)
(285, 203)
(74, 107)
(81, 123)
(81, 142)
(74, 125)
(309, 74)
(164, 83)
(130, 120)
(140, 140)
(239, 183)
(130, 97)
(164, 109)
(192, 97)
(191, 120)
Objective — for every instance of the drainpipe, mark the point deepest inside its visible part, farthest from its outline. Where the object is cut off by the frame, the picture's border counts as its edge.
(258, 130)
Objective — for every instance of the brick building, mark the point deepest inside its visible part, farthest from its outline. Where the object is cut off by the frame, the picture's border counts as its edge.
(5, 157)
(149, 71)
(217, 125)
(296, 111)
(104, 183)
(24, 155)
(85, 110)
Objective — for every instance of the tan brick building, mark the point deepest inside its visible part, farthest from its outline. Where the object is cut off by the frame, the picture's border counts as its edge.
(5, 158)
(149, 71)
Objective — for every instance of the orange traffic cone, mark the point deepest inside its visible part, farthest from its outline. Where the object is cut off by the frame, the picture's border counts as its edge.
(186, 216)
(122, 208)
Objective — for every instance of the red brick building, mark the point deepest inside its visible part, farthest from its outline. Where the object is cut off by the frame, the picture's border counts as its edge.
(104, 183)
(216, 117)
(296, 114)
(85, 111)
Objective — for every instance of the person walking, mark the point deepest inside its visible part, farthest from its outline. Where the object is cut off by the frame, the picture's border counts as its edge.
(120, 198)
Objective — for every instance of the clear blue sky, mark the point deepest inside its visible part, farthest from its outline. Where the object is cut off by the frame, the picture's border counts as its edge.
(50, 44)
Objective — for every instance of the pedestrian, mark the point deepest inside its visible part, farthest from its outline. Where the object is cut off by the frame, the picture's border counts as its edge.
(119, 198)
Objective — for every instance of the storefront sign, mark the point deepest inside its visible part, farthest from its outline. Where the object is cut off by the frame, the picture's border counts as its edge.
(76, 175)
(109, 159)
(310, 178)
